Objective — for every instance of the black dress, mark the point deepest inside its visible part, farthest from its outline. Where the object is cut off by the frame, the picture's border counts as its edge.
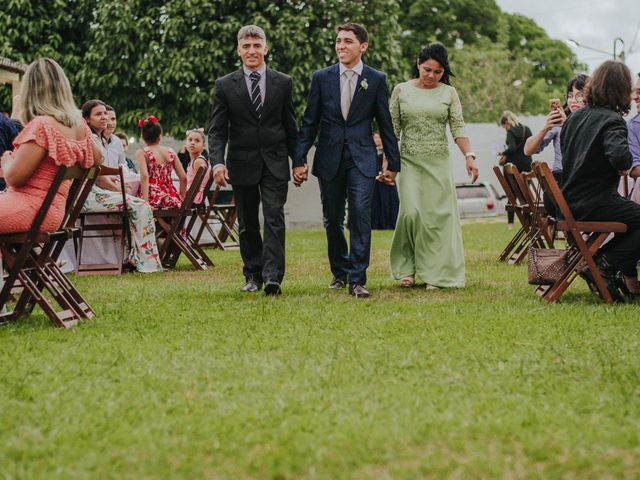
(594, 149)
(385, 204)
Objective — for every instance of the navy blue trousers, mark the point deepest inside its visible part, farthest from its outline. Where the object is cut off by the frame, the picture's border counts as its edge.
(348, 263)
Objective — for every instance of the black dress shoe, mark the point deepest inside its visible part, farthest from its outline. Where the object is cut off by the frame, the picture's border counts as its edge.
(608, 275)
(251, 286)
(358, 291)
(271, 289)
(337, 284)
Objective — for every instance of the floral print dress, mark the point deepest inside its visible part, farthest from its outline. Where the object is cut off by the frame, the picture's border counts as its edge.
(143, 251)
(162, 193)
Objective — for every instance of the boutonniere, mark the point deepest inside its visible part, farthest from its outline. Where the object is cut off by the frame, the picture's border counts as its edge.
(363, 84)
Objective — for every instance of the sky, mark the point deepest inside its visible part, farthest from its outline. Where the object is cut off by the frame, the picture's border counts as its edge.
(591, 23)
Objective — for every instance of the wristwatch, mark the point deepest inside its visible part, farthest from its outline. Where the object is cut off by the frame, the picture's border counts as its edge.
(470, 154)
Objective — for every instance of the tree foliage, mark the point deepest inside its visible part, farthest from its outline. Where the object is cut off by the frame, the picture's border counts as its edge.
(489, 80)
(151, 56)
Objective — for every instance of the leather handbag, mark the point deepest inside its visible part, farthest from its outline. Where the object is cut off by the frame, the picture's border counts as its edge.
(546, 265)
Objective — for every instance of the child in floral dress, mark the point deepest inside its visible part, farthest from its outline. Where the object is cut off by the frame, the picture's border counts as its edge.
(155, 164)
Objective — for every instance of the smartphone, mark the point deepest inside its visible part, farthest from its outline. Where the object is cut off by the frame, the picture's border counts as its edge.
(554, 104)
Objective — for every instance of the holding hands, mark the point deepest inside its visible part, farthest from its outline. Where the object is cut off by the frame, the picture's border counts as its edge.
(387, 177)
(300, 175)
(221, 176)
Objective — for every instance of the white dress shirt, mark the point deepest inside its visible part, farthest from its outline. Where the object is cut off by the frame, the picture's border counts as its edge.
(115, 155)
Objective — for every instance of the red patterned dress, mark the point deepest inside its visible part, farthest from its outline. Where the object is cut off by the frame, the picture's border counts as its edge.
(162, 193)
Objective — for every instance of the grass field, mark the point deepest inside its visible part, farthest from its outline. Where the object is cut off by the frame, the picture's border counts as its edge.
(182, 376)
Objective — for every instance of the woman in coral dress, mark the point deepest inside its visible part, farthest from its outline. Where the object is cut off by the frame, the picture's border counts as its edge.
(55, 134)
(156, 164)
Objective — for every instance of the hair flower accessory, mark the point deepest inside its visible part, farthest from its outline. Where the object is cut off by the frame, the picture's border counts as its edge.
(363, 84)
(150, 118)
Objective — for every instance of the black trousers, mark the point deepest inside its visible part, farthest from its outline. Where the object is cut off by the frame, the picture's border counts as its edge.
(262, 260)
(623, 252)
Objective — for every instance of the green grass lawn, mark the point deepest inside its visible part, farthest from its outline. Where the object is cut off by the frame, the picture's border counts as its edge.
(182, 376)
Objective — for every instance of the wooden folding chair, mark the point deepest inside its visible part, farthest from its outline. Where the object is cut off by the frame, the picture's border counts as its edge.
(92, 227)
(584, 238)
(515, 244)
(31, 256)
(523, 207)
(224, 215)
(170, 223)
(199, 212)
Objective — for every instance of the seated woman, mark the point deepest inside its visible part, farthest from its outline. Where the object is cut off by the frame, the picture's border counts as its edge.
(155, 164)
(595, 154)
(54, 135)
(106, 196)
(195, 146)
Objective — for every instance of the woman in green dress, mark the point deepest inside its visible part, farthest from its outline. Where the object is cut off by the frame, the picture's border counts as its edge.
(428, 239)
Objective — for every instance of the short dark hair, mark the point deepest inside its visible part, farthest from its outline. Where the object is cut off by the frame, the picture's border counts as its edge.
(110, 108)
(610, 86)
(358, 30)
(578, 82)
(151, 131)
(438, 52)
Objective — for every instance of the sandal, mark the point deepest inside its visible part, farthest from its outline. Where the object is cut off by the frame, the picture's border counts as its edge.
(428, 286)
(408, 282)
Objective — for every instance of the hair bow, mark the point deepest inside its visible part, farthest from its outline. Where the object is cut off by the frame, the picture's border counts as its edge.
(151, 118)
(199, 130)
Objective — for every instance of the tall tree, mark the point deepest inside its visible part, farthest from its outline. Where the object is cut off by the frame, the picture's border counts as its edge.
(488, 80)
(59, 29)
(163, 57)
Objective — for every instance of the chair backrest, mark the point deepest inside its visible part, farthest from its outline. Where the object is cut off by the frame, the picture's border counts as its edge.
(119, 172)
(207, 188)
(511, 199)
(518, 186)
(187, 202)
(83, 180)
(552, 189)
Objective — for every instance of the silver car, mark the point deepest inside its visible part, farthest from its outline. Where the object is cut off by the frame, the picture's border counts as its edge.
(479, 200)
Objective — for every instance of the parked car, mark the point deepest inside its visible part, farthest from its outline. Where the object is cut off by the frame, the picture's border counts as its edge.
(479, 200)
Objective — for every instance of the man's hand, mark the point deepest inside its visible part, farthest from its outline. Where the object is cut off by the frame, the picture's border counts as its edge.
(221, 176)
(300, 174)
(387, 177)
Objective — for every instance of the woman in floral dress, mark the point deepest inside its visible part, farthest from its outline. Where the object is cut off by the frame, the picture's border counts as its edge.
(106, 197)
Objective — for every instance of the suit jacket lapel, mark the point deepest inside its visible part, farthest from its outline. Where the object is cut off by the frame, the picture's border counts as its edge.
(271, 81)
(334, 86)
(243, 92)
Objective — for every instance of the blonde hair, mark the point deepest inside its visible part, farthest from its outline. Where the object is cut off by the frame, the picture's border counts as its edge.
(46, 91)
(510, 118)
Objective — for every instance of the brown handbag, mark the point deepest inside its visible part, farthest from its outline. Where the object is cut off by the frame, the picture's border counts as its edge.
(546, 265)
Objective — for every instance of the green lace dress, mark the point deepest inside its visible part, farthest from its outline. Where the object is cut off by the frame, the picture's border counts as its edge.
(428, 239)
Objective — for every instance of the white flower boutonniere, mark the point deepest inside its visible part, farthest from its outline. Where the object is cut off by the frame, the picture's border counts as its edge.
(363, 84)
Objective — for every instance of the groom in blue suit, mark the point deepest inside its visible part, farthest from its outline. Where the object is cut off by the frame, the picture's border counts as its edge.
(343, 102)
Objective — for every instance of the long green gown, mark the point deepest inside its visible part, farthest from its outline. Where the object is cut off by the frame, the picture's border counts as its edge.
(428, 239)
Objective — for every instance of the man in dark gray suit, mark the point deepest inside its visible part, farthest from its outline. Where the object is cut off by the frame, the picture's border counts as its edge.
(254, 118)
